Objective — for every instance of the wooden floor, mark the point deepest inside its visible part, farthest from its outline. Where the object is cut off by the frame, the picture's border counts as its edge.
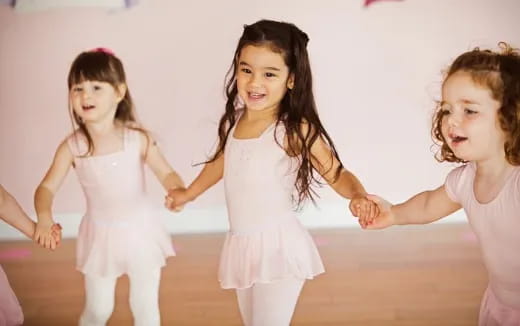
(406, 276)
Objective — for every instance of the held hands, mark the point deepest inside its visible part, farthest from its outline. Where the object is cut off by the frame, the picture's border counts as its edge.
(176, 199)
(384, 219)
(364, 209)
(48, 234)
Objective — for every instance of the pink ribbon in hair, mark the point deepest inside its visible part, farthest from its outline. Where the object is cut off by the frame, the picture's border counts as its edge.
(104, 50)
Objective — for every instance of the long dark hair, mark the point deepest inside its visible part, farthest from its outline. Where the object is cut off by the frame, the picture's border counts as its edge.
(498, 71)
(297, 107)
(102, 65)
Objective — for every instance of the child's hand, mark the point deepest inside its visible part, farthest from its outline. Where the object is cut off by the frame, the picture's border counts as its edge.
(47, 234)
(56, 233)
(363, 208)
(384, 219)
(176, 199)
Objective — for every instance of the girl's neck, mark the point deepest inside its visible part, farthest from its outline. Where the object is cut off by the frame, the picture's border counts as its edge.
(103, 128)
(493, 168)
(267, 114)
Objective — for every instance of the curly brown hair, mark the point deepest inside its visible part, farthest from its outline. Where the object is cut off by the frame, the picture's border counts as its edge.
(499, 71)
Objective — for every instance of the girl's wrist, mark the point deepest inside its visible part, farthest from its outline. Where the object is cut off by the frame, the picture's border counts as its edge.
(190, 194)
(397, 220)
(177, 187)
(359, 195)
(44, 218)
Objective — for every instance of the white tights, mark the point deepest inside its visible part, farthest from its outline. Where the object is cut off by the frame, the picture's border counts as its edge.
(269, 304)
(144, 299)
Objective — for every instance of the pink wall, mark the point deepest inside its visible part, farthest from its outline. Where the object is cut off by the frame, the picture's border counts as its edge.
(376, 72)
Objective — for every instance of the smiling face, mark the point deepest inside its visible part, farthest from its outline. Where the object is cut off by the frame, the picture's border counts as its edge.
(262, 77)
(470, 123)
(95, 101)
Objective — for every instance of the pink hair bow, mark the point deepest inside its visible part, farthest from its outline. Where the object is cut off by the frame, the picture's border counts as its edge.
(104, 50)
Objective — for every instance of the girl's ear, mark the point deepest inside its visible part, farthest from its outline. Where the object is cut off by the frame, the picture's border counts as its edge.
(290, 81)
(121, 91)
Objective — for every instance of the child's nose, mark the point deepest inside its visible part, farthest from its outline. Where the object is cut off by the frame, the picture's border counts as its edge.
(85, 94)
(255, 80)
(453, 120)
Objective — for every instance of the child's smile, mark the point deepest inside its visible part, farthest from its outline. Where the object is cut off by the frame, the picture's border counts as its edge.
(470, 120)
(456, 140)
(262, 77)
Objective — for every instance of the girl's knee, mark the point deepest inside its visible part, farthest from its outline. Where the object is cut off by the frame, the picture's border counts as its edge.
(145, 309)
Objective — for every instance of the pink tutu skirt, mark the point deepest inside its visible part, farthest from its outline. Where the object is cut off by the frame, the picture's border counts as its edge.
(111, 247)
(275, 252)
